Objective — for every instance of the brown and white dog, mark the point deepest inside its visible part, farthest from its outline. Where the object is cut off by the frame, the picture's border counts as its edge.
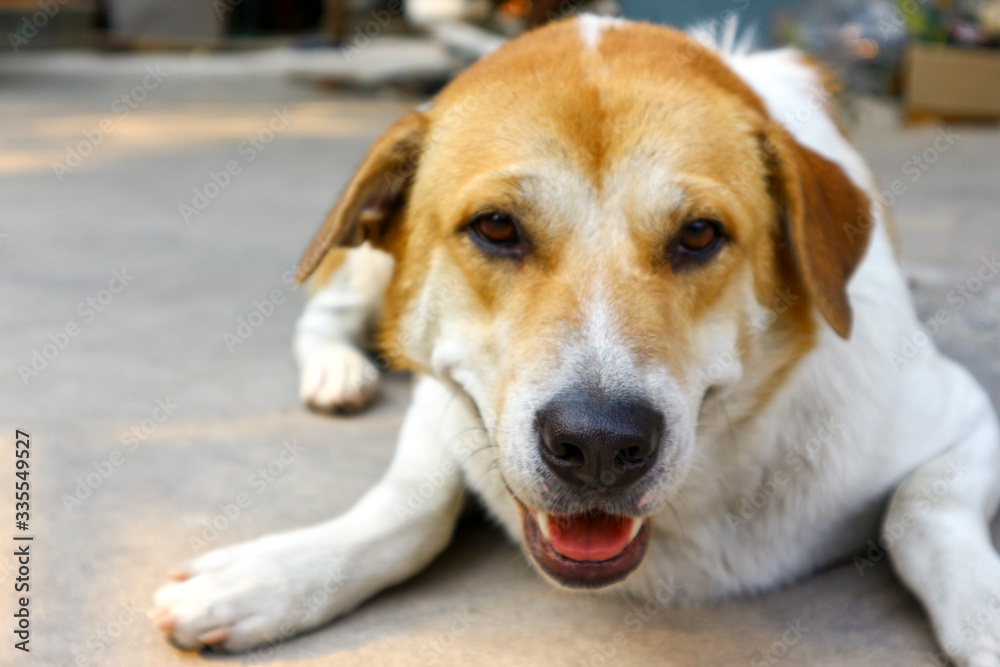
(629, 269)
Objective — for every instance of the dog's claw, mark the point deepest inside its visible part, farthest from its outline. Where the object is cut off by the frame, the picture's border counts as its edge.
(216, 636)
(162, 619)
(179, 573)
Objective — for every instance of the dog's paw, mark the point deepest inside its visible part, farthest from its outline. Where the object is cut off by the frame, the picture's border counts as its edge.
(256, 593)
(983, 651)
(338, 378)
(972, 638)
(980, 651)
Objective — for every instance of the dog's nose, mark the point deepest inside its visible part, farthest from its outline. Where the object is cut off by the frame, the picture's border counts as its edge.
(588, 440)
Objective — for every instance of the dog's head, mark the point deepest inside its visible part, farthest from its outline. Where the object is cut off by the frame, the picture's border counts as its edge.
(595, 228)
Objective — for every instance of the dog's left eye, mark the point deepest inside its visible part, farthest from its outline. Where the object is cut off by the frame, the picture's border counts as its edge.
(496, 228)
(699, 236)
(497, 234)
(697, 241)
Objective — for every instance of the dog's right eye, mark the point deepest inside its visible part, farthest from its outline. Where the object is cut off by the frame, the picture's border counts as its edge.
(496, 233)
(496, 228)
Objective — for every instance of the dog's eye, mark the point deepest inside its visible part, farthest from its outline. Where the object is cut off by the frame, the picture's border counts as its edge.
(496, 229)
(697, 241)
(699, 236)
(497, 235)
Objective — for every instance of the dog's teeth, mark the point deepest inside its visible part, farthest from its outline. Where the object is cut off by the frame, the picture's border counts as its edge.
(543, 524)
(636, 527)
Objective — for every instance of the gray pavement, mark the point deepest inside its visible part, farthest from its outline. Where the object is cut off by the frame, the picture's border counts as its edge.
(148, 421)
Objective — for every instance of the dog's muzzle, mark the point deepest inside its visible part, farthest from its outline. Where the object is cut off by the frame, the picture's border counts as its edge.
(598, 447)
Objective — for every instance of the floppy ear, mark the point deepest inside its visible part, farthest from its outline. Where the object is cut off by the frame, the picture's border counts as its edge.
(374, 195)
(826, 223)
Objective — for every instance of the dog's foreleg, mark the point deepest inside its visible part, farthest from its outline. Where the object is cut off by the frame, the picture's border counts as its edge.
(335, 372)
(275, 587)
(937, 533)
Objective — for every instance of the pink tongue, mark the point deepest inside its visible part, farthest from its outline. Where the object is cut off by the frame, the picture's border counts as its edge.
(592, 536)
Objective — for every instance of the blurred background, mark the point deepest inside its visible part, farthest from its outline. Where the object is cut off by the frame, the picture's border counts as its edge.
(163, 163)
(878, 46)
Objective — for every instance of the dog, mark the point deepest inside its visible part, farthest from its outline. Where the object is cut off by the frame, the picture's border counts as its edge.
(654, 314)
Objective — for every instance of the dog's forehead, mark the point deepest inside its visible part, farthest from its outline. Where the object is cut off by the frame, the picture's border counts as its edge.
(593, 93)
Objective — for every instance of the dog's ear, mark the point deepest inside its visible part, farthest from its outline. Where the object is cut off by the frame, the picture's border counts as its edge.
(374, 194)
(826, 220)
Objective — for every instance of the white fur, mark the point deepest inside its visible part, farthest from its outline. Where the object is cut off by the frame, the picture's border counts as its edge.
(592, 27)
(849, 431)
(927, 422)
(335, 373)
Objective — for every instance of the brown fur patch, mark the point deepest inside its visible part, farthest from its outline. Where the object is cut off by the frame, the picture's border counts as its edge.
(827, 221)
(372, 197)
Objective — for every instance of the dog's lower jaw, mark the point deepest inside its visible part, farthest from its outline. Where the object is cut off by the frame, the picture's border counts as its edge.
(612, 562)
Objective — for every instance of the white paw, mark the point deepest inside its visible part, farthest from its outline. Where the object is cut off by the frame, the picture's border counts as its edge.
(338, 378)
(972, 637)
(250, 594)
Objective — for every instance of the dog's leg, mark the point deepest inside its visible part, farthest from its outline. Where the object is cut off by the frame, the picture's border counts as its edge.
(937, 533)
(275, 587)
(335, 373)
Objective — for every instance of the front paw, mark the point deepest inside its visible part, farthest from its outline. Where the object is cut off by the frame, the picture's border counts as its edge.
(255, 593)
(972, 638)
(338, 378)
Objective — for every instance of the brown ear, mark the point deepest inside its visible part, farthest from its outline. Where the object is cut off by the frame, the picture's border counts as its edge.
(374, 194)
(827, 221)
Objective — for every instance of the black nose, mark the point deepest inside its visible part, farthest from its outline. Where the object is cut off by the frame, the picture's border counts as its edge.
(595, 441)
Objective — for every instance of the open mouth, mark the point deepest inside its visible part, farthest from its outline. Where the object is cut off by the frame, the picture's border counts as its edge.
(588, 550)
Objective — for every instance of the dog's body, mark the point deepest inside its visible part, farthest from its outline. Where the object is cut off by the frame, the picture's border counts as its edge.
(753, 438)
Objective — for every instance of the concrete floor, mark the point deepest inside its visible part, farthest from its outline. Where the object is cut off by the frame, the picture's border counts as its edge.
(102, 549)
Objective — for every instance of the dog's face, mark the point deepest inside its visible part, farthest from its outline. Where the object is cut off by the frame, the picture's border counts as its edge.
(592, 230)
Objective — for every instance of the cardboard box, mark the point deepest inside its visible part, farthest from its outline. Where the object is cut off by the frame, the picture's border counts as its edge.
(952, 82)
